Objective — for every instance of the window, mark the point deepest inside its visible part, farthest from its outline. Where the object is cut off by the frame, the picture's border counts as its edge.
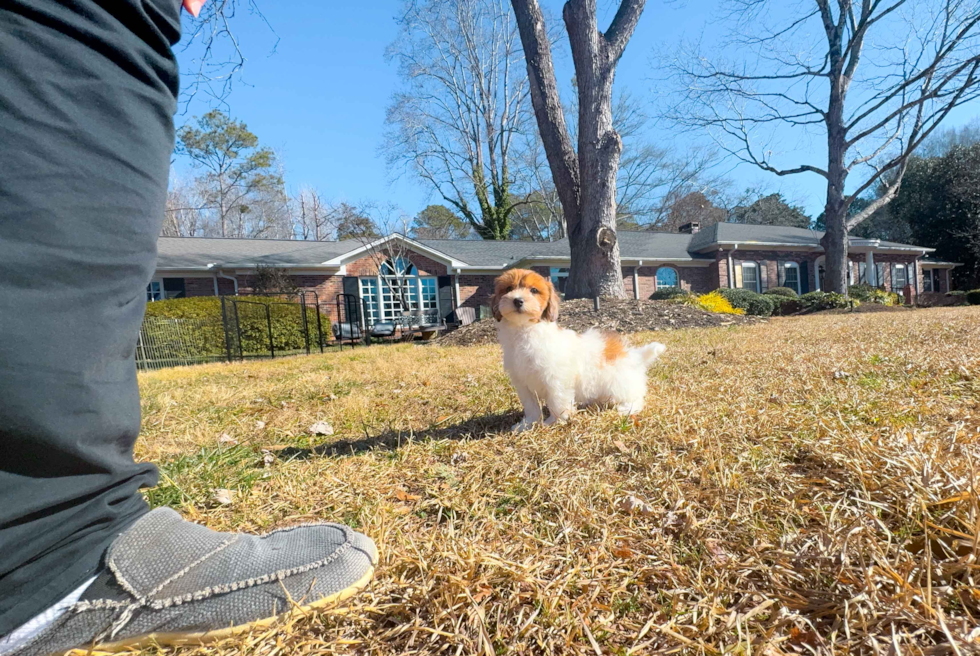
(666, 277)
(900, 277)
(154, 291)
(398, 290)
(791, 276)
(559, 276)
(369, 296)
(429, 299)
(750, 276)
(927, 285)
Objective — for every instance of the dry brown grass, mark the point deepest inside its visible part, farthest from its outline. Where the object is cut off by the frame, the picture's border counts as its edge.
(806, 485)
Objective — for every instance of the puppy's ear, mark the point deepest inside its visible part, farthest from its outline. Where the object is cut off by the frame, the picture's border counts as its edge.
(495, 306)
(551, 310)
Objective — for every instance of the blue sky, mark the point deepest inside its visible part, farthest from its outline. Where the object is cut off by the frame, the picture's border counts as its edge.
(318, 94)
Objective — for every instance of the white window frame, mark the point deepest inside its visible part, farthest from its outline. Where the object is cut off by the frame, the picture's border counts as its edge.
(895, 267)
(758, 274)
(656, 278)
(788, 266)
(158, 292)
(416, 300)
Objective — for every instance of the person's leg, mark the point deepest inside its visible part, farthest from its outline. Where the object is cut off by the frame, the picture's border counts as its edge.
(87, 95)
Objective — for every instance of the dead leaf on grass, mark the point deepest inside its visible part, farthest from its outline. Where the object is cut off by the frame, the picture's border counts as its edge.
(321, 428)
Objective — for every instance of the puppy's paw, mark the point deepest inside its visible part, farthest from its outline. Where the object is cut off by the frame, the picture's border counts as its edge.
(522, 425)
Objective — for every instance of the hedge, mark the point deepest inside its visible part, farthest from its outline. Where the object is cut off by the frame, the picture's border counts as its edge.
(202, 330)
(973, 297)
(750, 301)
(781, 291)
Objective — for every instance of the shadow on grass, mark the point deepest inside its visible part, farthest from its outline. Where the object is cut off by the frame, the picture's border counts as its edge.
(475, 428)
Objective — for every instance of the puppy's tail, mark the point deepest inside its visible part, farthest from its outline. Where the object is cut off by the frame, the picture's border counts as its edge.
(650, 352)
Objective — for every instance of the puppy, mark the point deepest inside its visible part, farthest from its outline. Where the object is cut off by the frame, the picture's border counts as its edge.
(557, 366)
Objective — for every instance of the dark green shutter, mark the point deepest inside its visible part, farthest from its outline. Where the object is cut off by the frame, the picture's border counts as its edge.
(781, 273)
(352, 309)
(804, 277)
(173, 287)
(763, 269)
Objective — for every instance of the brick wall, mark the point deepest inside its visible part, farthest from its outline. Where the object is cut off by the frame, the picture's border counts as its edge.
(699, 280)
(202, 286)
(771, 259)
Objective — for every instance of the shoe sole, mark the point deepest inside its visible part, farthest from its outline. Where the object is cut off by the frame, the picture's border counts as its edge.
(179, 639)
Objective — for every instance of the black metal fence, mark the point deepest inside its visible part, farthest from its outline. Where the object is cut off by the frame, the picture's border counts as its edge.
(265, 326)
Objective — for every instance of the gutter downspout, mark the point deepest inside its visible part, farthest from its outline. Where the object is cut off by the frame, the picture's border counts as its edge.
(232, 279)
(218, 274)
(636, 280)
(731, 268)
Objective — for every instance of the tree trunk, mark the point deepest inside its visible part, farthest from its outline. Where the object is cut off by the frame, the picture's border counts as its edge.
(586, 180)
(834, 241)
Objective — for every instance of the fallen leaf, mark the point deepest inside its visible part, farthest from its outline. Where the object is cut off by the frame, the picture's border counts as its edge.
(260, 425)
(622, 447)
(227, 439)
(632, 504)
(717, 553)
(223, 497)
(321, 428)
(403, 495)
(623, 552)
(268, 459)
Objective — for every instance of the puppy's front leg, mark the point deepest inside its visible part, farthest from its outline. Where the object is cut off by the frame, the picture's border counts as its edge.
(532, 408)
(561, 405)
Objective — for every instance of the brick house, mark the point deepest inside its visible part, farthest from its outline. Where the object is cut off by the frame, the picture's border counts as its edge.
(444, 274)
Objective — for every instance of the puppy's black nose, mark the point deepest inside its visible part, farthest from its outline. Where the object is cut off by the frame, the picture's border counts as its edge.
(518, 303)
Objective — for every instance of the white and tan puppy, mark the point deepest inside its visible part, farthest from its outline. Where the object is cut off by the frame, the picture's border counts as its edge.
(557, 367)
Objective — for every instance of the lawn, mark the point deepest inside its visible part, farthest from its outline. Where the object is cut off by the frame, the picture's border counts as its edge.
(802, 485)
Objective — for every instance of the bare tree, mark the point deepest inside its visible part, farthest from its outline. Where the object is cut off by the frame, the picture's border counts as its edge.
(214, 49)
(186, 213)
(454, 125)
(391, 256)
(585, 179)
(649, 180)
(875, 77)
(315, 218)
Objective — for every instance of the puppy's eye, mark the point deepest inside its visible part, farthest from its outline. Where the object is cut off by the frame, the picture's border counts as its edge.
(535, 290)
(509, 289)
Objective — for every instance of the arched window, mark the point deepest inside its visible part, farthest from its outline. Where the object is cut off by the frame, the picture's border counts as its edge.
(750, 276)
(791, 276)
(667, 277)
(399, 290)
(400, 266)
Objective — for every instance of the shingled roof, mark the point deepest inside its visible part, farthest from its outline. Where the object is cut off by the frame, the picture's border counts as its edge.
(194, 253)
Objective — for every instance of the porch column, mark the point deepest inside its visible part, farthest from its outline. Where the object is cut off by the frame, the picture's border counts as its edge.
(949, 284)
(871, 272)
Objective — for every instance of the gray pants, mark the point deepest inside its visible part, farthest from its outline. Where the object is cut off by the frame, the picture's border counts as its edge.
(87, 97)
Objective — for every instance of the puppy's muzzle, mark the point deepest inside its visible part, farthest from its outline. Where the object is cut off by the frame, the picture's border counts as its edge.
(518, 304)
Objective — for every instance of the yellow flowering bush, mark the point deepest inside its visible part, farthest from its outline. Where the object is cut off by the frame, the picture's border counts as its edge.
(713, 302)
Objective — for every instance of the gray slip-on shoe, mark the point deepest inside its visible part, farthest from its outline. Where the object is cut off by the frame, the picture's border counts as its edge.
(168, 581)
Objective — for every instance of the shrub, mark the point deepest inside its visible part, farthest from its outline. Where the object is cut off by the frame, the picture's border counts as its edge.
(668, 294)
(202, 330)
(781, 291)
(752, 302)
(824, 301)
(869, 294)
(786, 305)
(973, 297)
(713, 302)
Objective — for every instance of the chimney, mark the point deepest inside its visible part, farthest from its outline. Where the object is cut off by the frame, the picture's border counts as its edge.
(690, 228)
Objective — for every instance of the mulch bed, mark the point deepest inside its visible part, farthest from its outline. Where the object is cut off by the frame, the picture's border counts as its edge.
(624, 316)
